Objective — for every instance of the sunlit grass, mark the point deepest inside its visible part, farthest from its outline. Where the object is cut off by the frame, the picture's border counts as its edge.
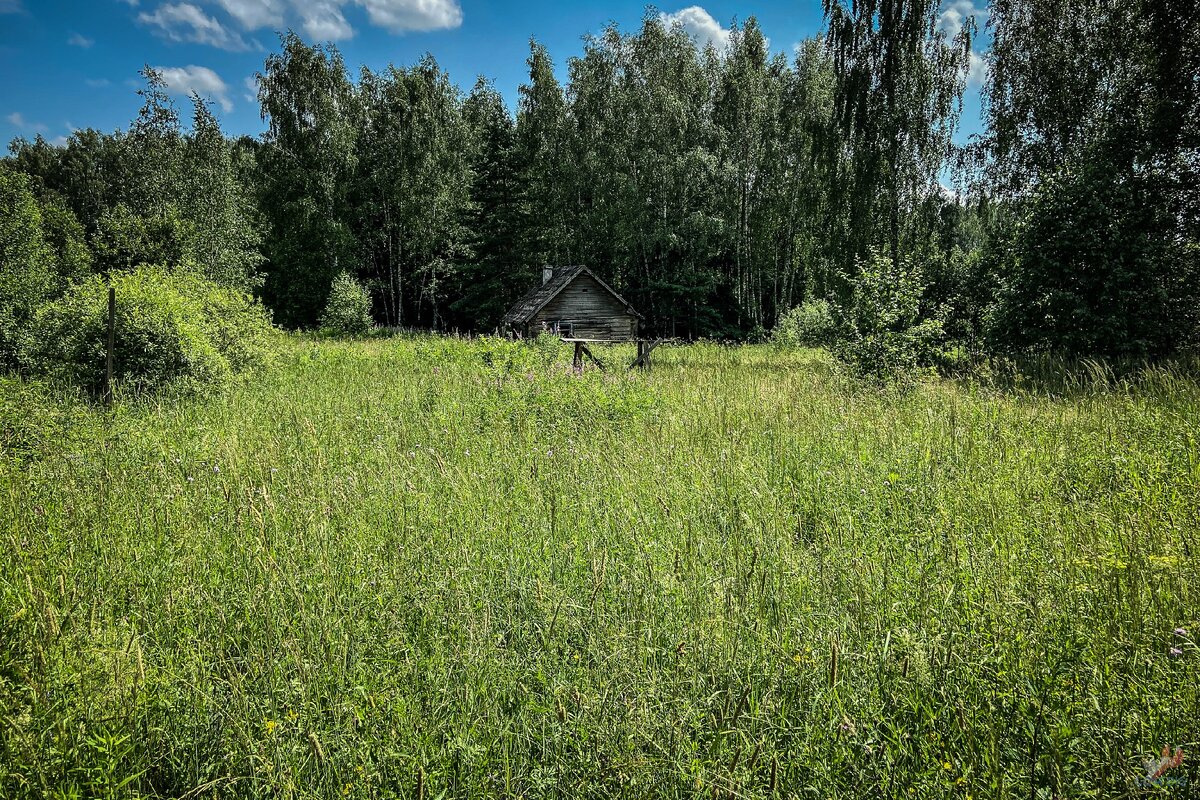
(430, 567)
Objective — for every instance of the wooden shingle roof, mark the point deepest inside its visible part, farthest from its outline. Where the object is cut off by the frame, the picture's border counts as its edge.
(528, 306)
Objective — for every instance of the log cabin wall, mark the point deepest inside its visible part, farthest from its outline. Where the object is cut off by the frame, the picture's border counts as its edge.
(593, 312)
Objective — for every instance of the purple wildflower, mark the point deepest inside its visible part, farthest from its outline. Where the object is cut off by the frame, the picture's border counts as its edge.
(1181, 632)
(1176, 652)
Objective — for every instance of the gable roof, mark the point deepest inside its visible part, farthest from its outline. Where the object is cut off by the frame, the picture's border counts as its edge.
(528, 306)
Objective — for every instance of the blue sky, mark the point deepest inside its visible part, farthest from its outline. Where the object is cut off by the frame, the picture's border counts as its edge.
(69, 64)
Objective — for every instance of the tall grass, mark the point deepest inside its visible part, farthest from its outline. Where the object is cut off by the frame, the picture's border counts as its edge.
(436, 568)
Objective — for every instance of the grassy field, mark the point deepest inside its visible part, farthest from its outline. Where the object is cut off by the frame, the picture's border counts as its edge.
(434, 568)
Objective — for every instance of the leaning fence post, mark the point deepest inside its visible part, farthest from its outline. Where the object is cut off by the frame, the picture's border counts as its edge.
(108, 348)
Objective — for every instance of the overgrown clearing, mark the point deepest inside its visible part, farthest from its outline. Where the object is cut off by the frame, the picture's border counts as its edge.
(430, 567)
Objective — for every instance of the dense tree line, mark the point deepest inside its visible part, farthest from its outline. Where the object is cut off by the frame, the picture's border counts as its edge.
(717, 189)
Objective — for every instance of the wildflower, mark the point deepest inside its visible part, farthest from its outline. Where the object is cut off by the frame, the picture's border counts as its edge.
(216, 469)
(292, 715)
(1181, 632)
(269, 724)
(1176, 652)
(947, 766)
(798, 659)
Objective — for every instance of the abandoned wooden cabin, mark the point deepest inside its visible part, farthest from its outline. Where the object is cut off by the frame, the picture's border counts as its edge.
(574, 303)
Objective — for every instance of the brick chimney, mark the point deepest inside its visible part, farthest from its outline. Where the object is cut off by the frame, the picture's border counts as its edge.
(547, 274)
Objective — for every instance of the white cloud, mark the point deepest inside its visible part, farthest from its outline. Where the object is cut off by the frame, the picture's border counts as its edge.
(398, 16)
(700, 25)
(323, 21)
(955, 13)
(96, 83)
(977, 73)
(79, 40)
(254, 14)
(201, 80)
(184, 22)
(251, 84)
(17, 120)
(133, 3)
(954, 16)
(59, 141)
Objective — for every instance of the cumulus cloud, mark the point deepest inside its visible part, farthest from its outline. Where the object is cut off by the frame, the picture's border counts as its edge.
(79, 40)
(398, 16)
(201, 80)
(977, 73)
(700, 25)
(184, 22)
(253, 14)
(323, 20)
(955, 14)
(251, 84)
(18, 121)
(187, 21)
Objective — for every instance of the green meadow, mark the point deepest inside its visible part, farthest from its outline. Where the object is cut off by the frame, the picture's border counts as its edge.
(429, 567)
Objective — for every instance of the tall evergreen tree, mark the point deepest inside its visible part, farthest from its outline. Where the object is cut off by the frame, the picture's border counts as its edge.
(495, 275)
(541, 155)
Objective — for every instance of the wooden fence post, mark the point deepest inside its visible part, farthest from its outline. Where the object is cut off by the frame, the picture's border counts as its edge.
(108, 349)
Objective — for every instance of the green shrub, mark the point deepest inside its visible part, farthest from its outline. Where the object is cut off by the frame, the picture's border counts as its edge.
(348, 312)
(125, 239)
(172, 328)
(810, 324)
(886, 338)
(1095, 268)
(26, 262)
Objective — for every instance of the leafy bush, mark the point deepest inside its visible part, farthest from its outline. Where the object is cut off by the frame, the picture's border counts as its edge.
(1095, 268)
(348, 312)
(172, 328)
(810, 324)
(26, 262)
(125, 239)
(887, 340)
